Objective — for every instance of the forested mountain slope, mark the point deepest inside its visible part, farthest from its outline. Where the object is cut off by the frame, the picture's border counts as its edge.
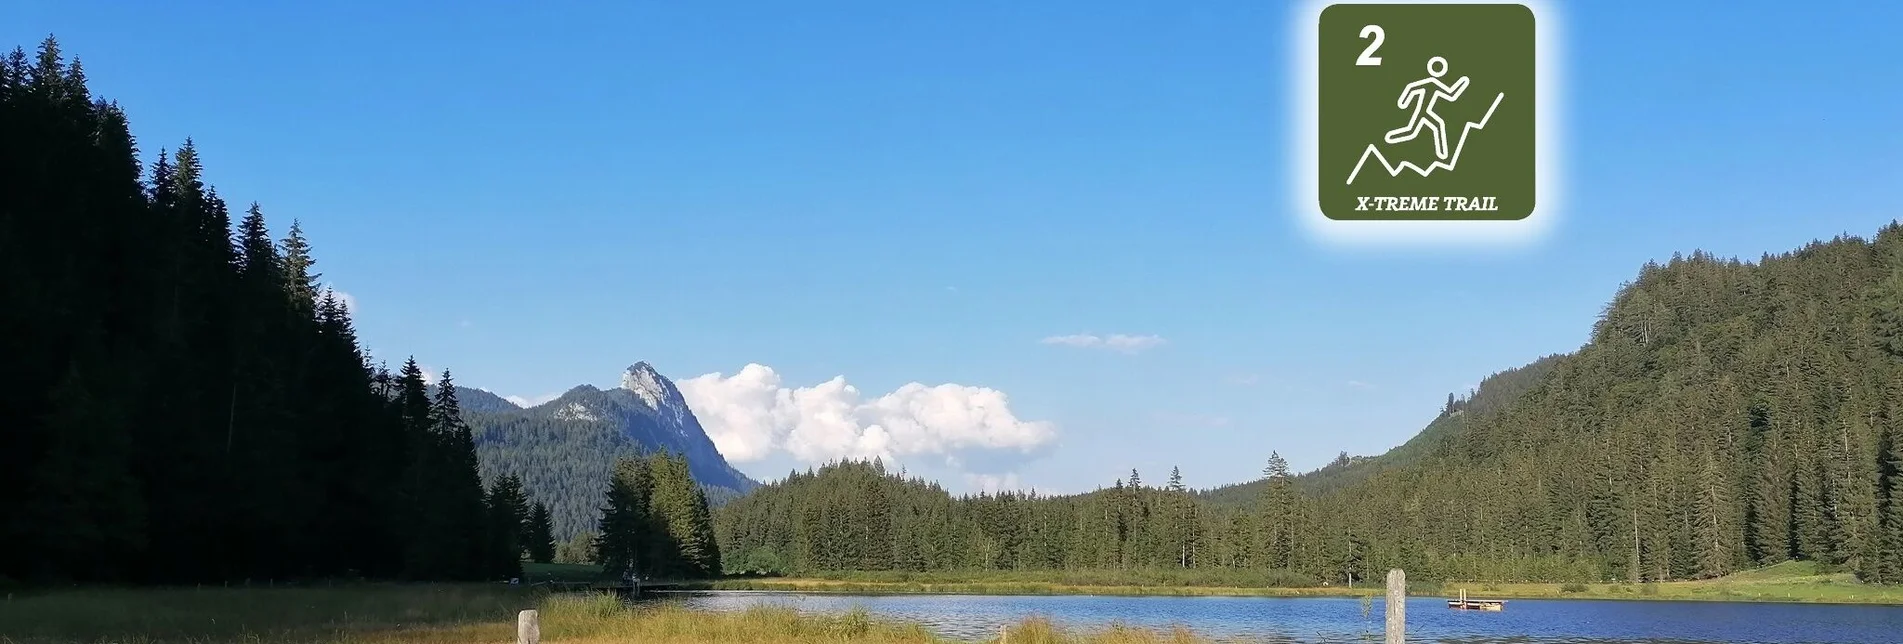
(565, 450)
(1724, 415)
(1493, 392)
(480, 401)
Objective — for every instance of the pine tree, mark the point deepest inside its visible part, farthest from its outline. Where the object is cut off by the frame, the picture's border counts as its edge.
(461, 487)
(877, 519)
(300, 282)
(625, 531)
(507, 514)
(1709, 516)
(429, 533)
(1277, 508)
(539, 534)
(1887, 566)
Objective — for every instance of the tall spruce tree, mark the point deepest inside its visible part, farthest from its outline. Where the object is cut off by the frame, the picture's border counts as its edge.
(508, 513)
(539, 535)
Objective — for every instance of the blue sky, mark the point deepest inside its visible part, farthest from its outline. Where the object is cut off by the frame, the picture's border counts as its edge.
(924, 191)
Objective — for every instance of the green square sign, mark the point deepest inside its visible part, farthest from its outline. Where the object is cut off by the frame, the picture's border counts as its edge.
(1427, 111)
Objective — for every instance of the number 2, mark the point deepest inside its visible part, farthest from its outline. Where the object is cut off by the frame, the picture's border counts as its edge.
(1367, 55)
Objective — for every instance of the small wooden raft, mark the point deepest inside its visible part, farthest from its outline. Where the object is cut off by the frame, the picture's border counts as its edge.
(1476, 604)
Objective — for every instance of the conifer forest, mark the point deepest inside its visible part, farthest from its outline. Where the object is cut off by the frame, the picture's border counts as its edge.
(184, 402)
(1725, 415)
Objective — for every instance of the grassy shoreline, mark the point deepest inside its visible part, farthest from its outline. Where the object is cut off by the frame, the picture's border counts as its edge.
(446, 614)
(372, 613)
(1793, 582)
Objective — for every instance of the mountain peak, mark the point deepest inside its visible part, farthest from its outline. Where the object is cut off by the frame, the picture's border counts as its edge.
(652, 387)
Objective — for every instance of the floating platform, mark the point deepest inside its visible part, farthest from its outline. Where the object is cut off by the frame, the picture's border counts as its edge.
(1477, 604)
(1463, 603)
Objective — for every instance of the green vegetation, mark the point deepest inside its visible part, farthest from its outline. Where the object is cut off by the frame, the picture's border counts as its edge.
(365, 612)
(189, 406)
(656, 522)
(533, 572)
(1725, 416)
(184, 402)
(1798, 582)
(565, 459)
(455, 614)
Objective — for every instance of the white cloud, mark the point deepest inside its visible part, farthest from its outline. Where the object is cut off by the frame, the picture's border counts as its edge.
(1359, 384)
(532, 401)
(993, 483)
(1245, 380)
(750, 416)
(1113, 342)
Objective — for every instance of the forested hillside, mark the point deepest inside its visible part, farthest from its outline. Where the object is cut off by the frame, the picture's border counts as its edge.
(477, 401)
(179, 402)
(1724, 415)
(1493, 392)
(565, 450)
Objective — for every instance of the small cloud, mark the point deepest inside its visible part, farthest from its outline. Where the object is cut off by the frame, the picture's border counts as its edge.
(1245, 380)
(1114, 342)
(952, 289)
(531, 401)
(993, 483)
(465, 324)
(1359, 384)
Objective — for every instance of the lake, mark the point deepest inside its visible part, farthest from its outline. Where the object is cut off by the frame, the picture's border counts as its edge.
(1267, 619)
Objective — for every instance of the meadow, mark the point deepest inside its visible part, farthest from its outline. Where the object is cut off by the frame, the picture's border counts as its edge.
(432, 614)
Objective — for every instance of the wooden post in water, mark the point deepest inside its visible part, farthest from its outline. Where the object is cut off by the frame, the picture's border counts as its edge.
(1397, 606)
(528, 627)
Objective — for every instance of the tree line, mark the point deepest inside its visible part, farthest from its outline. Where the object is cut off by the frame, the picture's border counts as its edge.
(856, 515)
(1724, 415)
(183, 402)
(654, 522)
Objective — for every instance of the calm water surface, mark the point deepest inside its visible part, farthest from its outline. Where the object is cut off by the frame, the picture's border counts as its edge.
(1266, 619)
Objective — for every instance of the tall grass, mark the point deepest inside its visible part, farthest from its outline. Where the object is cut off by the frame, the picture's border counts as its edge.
(395, 614)
(131, 616)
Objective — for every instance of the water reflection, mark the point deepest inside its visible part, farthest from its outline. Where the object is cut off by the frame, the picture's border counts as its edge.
(1345, 620)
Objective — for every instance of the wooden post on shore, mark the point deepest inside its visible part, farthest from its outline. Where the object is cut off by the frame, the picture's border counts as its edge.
(1397, 606)
(528, 627)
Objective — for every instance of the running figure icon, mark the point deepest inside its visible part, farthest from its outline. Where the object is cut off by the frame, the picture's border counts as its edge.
(1418, 95)
(1424, 117)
